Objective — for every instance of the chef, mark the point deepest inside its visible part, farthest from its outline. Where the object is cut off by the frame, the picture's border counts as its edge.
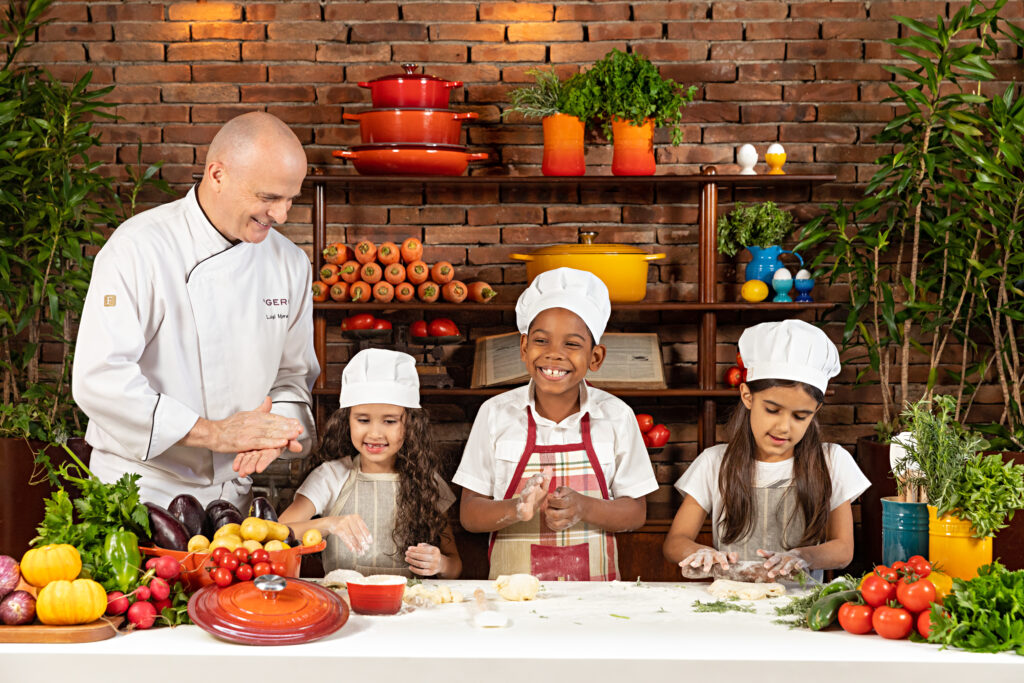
(195, 358)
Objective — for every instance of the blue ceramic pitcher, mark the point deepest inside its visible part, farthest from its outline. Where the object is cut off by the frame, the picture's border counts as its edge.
(765, 262)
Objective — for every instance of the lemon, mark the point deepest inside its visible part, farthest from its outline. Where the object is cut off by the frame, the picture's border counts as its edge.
(277, 531)
(312, 537)
(754, 291)
(254, 529)
(198, 543)
(232, 529)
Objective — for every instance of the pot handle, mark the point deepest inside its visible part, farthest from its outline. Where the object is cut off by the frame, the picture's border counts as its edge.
(345, 154)
(351, 117)
(522, 257)
(653, 257)
(465, 116)
(364, 84)
(453, 84)
(476, 156)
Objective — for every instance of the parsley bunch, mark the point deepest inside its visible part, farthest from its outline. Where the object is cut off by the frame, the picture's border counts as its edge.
(753, 225)
(985, 614)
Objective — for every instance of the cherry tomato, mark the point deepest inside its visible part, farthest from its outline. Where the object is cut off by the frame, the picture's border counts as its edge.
(876, 590)
(261, 568)
(222, 576)
(734, 376)
(242, 554)
(244, 572)
(897, 566)
(920, 565)
(924, 623)
(916, 596)
(892, 622)
(260, 555)
(278, 568)
(887, 573)
(645, 422)
(855, 618)
(418, 328)
(442, 327)
(219, 553)
(229, 562)
(659, 435)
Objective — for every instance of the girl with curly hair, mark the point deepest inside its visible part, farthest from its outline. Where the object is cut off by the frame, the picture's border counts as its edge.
(385, 510)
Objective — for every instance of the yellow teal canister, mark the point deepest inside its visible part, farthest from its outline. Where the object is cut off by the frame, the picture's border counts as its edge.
(904, 530)
(952, 547)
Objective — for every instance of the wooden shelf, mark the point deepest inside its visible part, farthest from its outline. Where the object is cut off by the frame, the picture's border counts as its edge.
(595, 181)
(333, 389)
(679, 306)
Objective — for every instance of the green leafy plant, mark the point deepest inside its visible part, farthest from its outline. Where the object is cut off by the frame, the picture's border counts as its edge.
(551, 95)
(753, 225)
(984, 614)
(627, 86)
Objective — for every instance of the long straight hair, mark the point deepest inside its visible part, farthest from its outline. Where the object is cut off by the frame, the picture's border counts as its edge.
(810, 472)
(417, 516)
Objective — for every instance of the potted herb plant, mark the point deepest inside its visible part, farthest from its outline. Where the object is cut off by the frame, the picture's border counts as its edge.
(632, 99)
(760, 229)
(563, 114)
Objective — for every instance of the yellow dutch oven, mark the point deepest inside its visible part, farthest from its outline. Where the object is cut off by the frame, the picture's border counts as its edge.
(621, 267)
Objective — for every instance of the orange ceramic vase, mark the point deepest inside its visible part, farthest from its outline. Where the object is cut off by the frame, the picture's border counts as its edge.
(632, 148)
(563, 145)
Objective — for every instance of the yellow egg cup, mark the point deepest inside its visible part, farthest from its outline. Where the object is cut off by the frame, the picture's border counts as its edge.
(775, 162)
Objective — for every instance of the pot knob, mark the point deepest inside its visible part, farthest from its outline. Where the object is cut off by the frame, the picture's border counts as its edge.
(410, 68)
(587, 236)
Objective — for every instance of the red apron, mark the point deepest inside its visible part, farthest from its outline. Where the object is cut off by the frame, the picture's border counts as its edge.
(582, 552)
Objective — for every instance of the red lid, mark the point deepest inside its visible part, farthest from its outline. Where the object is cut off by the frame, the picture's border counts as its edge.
(269, 610)
(409, 75)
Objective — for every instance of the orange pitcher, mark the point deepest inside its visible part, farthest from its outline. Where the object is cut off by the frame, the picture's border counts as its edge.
(632, 148)
(563, 145)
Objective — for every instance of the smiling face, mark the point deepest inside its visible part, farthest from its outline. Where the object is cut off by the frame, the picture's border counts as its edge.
(779, 418)
(378, 432)
(558, 351)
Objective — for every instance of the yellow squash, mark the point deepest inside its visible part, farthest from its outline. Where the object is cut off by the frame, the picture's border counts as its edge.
(53, 562)
(61, 603)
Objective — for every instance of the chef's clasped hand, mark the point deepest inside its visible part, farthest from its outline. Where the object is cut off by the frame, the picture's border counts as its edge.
(783, 563)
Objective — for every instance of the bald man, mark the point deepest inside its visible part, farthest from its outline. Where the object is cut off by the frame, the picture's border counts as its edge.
(195, 358)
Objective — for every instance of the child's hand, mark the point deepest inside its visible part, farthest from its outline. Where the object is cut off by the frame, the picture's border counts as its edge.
(533, 495)
(706, 558)
(782, 562)
(424, 559)
(565, 508)
(351, 529)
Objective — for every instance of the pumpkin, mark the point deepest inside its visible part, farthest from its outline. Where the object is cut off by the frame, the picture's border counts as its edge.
(61, 602)
(52, 562)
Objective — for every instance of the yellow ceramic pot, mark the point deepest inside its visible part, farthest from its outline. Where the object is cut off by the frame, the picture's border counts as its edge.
(952, 548)
(622, 268)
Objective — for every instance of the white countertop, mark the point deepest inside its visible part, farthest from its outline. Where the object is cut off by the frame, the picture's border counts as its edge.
(573, 631)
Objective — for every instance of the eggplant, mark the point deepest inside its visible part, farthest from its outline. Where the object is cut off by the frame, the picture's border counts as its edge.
(188, 510)
(213, 511)
(168, 532)
(262, 508)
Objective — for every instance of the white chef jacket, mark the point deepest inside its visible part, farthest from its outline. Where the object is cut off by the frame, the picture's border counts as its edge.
(498, 439)
(180, 324)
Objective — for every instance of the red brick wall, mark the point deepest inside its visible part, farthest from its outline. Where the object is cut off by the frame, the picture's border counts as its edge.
(807, 74)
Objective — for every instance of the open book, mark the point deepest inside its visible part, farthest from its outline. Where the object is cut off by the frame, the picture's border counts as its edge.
(633, 361)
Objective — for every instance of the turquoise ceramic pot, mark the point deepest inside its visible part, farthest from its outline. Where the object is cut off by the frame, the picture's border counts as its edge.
(904, 530)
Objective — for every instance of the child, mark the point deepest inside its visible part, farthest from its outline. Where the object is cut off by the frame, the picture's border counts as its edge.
(555, 468)
(390, 497)
(775, 491)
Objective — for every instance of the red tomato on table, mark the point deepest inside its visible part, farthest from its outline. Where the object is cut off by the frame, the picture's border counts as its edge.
(877, 591)
(855, 618)
(894, 623)
(920, 565)
(916, 596)
(645, 422)
(418, 328)
(442, 327)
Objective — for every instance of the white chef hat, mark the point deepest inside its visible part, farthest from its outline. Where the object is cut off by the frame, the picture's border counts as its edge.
(380, 376)
(790, 349)
(579, 291)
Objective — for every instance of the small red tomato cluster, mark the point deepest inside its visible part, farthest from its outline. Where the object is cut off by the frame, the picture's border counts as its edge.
(438, 327)
(158, 589)
(655, 435)
(241, 565)
(893, 600)
(737, 374)
(364, 321)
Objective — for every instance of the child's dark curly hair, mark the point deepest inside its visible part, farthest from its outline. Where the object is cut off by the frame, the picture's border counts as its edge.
(417, 516)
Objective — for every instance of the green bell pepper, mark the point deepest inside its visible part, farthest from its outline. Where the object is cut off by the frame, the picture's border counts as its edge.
(121, 550)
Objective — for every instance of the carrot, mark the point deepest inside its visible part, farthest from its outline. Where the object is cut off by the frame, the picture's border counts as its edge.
(417, 272)
(383, 292)
(394, 273)
(428, 291)
(360, 291)
(339, 291)
(404, 291)
(480, 292)
(412, 250)
(349, 271)
(388, 253)
(442, 273)
(337, 253)
(454, 291)
(371, 272)
(365, 251)
(329, 274)
(319, 291)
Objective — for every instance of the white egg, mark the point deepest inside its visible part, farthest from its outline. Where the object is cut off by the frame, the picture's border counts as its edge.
(782, 274)
(776, 148)
(803, 274)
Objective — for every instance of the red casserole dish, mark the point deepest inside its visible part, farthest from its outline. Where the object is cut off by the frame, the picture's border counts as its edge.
(410, 90)
(440, 126)
(410, 159)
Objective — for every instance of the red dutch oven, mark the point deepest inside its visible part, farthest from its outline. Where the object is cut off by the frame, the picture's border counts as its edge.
(441, 126)
(410, 90)
(410, 159)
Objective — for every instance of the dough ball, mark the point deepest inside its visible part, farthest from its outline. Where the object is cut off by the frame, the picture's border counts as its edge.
(517, 587)
(341, 577)
(744, 590)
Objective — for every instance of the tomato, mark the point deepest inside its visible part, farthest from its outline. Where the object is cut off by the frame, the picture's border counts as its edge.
(739, 361)
(242, 554)
(219, 553)
(418, 328)
(278, 568)
(876, 590)
(887, 573)
(892, 622)
(442, 327)
(916, 596)
(659, 435)
(261, 568)
(259, 555)
(229, 562)
(362, 321)
(381, 324)
(856, 618)
(924, 623)
(647, 440)
(734, 376)
(412, 250)
(897, 566)
(222, 576)
(920, 565)
(244, 572)
(645, 422)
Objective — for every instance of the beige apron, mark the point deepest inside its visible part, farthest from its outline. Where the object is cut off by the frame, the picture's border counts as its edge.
(777, 524)
(372, 497)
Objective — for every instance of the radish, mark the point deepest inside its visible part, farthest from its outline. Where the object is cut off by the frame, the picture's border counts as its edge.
(167, 567)
(142, 593)
(142, 614)
(117, 603)
(159, 588)
(159, 605)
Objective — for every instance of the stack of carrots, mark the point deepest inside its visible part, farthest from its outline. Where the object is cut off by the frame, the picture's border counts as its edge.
(388, 272)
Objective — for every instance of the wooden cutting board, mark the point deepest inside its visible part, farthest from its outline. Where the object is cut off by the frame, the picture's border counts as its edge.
(80, 633)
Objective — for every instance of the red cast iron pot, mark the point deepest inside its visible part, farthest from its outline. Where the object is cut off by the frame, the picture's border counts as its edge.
(410, 159)
(410, 90)
(441, 126)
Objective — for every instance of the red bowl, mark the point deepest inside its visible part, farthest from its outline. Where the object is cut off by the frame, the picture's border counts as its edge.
(196, 566)
(377, 598)
(441, 126)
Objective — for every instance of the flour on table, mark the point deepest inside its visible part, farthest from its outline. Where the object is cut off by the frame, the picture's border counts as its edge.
(744, 590)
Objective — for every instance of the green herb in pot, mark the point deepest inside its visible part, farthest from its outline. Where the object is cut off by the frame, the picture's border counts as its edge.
(753, 225)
